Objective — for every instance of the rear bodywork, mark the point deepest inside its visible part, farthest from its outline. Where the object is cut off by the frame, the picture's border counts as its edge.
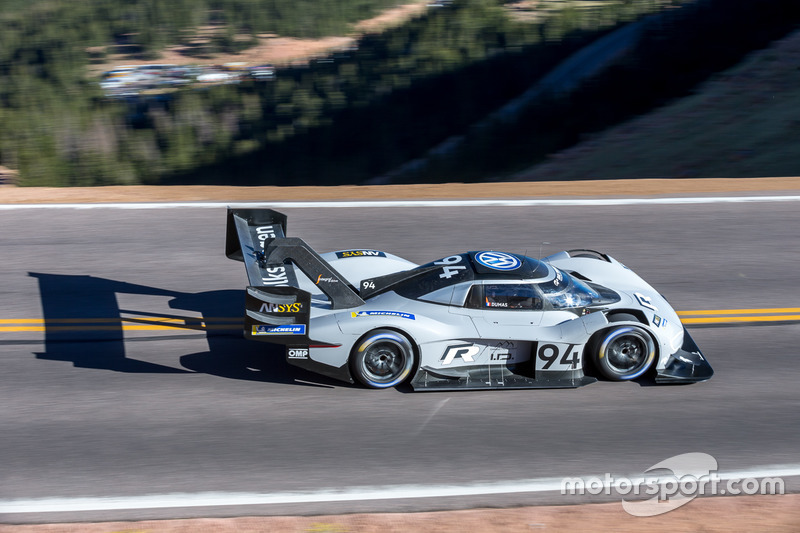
(320, 306)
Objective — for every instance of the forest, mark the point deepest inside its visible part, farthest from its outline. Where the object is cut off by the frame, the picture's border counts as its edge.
(344, 120)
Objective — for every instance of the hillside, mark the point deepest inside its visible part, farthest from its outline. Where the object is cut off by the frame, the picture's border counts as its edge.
(744, 122)
(263, 48)
(339, 119)
(676, 53)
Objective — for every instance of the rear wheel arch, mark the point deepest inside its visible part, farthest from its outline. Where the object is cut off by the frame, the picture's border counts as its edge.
(384, 357)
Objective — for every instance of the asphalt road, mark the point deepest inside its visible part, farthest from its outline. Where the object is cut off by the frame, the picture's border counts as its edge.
(121, 414)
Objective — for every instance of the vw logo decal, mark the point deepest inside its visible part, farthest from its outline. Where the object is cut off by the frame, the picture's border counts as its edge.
(498, 260)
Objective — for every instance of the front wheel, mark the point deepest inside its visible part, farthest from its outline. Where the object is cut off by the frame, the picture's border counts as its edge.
(625, 353)
(383, 358)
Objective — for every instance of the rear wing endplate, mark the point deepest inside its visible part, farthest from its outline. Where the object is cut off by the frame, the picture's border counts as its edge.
(278, 314)
(258, 238)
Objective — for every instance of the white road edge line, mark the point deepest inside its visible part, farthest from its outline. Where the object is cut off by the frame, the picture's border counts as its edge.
(224, 499)
(414, 203)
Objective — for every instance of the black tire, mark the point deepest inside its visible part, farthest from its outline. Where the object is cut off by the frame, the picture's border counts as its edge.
(624, 353)
(622, 317)
(382, 358)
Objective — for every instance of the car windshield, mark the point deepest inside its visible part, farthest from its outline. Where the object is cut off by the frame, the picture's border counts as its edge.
(565, 291)
(511, 296)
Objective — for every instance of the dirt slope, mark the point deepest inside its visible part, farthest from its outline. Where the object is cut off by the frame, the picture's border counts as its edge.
(618, 188)
(775, 514)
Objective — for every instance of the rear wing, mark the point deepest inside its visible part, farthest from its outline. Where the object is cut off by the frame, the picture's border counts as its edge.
(278, 314)
(256, 226)
(258, 238)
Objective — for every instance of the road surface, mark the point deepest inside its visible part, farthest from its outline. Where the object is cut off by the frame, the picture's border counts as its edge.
(100, 402)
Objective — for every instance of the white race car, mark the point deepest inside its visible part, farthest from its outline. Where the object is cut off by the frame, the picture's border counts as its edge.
(475, 320)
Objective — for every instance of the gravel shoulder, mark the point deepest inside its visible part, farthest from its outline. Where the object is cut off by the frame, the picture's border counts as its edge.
(776, 514)
(10, 194)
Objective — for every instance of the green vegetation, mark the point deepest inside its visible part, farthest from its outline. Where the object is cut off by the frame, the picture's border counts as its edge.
(331, 122)
(742, 123)
(747, 132)
(57, 130)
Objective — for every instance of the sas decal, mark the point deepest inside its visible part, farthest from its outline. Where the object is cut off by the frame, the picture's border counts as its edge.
(292, 329)
(498, 260)
(359, 253)
(357, 314)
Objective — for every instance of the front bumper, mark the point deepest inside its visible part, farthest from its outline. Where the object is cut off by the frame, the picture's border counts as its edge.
(687, 365)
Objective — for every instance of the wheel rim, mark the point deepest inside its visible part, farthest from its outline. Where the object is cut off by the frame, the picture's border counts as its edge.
(628, 352)
(384, 361)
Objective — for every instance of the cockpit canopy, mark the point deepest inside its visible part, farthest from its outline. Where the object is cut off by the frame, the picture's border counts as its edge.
(499, 280)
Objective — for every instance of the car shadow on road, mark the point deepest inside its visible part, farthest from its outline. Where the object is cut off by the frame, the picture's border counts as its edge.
(84, 324)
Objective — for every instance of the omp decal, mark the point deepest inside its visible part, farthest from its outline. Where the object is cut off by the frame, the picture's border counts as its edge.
(293, 329)
(297, 353)
(644, 301)
(498, 260)
(281, 308)
(356, 314)
(359, 253)
(466, 352)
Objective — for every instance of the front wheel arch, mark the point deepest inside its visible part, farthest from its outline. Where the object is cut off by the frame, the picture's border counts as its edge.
(383, 358)
(623, 353)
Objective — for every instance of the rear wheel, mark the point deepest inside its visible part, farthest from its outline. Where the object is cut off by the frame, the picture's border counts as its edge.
(383, 358)
(624, 353)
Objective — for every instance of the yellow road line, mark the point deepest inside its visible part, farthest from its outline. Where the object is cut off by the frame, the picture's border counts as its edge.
(740, 311)
(144, 323)
(734, 319)
(15, 329)
(14, 325)
(115, 320)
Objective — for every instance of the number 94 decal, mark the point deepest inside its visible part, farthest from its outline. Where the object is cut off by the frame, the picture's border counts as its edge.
(556, 356)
